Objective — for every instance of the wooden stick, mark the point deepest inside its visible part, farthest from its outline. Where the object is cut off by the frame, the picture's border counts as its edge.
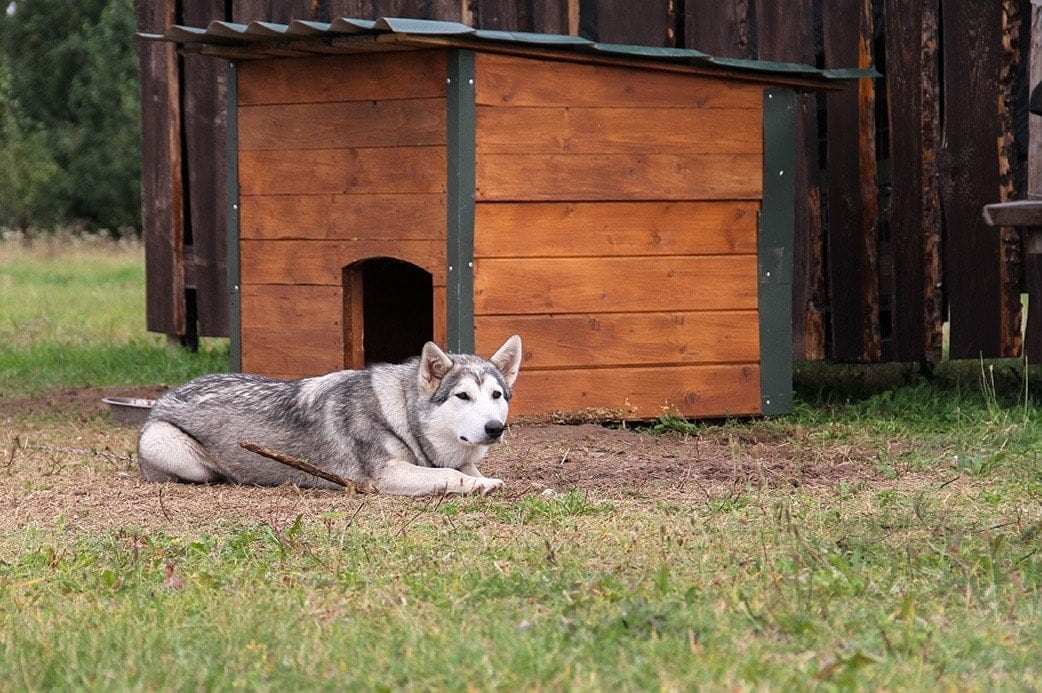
(307, 467)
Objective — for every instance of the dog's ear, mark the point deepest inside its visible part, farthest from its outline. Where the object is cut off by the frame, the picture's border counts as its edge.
(434, 364)
(508, 359)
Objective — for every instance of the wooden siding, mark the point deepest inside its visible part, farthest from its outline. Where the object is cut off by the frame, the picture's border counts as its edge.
(708, 391)
(500, 82)
(616, 231)
(930, 264)
(337, 165)
(292, 331)
(559, 131)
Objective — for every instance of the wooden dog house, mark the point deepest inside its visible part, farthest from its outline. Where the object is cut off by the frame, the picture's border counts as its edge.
(626, 210)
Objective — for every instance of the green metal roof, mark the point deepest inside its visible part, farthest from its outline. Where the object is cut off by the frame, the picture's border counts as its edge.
(229, 39)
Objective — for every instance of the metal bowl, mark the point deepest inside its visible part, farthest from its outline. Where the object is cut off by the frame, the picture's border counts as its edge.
(129, 410)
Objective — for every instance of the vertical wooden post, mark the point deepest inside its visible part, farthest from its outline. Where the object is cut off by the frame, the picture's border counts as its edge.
(354, 316)
(460, 186)
(853, 234)
(161, 194)
(982, 267)
(232, 216)
(774, 250)
(1033, 241)
(913, 97)
(786, 34)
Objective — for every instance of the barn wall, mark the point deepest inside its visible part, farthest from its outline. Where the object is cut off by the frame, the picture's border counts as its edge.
(616, 229)
(340, 159)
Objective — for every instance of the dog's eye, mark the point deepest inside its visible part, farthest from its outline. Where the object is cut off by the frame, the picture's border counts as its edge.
(497, 394)
(463, 396)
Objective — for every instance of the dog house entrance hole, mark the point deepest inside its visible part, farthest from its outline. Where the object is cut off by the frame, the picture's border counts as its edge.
(388, 311)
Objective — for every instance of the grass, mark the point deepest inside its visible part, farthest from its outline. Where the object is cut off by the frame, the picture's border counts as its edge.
(72, 312)
(929, 580)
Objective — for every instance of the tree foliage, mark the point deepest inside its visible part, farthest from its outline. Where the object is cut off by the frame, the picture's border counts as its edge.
(69, 115)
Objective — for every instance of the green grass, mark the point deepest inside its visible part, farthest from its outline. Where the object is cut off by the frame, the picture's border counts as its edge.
(892, 591)
(928, 580)
(72, 313)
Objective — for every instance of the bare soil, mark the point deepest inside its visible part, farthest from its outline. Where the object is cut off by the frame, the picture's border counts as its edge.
(65, 461)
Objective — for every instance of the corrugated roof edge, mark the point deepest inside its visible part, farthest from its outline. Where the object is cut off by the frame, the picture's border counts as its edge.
(225, 34)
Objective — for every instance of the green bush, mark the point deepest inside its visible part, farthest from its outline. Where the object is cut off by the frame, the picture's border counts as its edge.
(69, 115)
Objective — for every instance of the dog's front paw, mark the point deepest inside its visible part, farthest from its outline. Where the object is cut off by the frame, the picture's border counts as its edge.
(485, 485)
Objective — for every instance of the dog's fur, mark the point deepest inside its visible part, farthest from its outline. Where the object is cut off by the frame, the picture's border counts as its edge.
(416, 428)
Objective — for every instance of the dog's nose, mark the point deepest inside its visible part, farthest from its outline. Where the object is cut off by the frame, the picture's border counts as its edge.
(494, 429)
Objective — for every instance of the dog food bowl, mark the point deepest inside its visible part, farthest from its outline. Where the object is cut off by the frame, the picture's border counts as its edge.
(128, 410)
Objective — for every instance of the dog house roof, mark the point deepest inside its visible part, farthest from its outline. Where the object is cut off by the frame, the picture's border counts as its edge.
(346, 35)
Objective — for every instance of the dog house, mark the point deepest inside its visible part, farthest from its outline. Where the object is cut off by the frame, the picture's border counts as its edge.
(628, 211)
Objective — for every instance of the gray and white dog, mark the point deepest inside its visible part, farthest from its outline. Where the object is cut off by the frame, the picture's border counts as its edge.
(416, 428)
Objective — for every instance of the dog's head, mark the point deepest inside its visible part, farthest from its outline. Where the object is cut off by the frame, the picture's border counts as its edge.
(472, 393)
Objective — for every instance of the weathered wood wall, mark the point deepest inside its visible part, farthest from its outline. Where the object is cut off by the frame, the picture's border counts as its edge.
(891, 175)
(616, 230)
(336, 165)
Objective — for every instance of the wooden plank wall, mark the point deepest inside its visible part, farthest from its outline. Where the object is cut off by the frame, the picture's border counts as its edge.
(615, 228)
(919, 259)
(340, 159)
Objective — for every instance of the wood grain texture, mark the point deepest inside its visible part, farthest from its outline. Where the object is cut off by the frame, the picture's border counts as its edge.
(373, 76)
(852, 191)
(345, 124)
(508, 177)
(559, 130)
(563, 229)
(354, 171)
(981, 264)
(354, 317)
(625, 339)
(309, 353)
(915, 215)
(412, 216)
(1032, 242)
(443, 10)
(322, 262)
(514, 81)
(579, 285)
(721, 28)
(647, 23)
(206, 163)
(162, 198)
(292, 330)
(640, 393)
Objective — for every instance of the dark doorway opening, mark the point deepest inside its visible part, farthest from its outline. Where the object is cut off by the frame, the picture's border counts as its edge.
(388, 311)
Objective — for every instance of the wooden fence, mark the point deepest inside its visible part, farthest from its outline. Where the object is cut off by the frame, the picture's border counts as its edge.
(892, 174)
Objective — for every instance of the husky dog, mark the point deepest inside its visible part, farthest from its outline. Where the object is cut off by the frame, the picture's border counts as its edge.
(414, 429)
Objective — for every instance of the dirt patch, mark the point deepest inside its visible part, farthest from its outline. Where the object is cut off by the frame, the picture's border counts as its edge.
(77, 403)
(64, 460)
